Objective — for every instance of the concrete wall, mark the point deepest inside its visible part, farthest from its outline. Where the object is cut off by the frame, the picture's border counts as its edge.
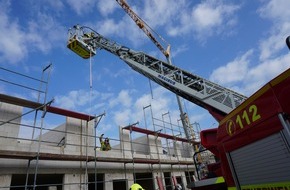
(5, 181)
(140, 145)
(186, 150)
(74, 181)
(55, 137)
(11, 113)
(156, 149)
(110, 177)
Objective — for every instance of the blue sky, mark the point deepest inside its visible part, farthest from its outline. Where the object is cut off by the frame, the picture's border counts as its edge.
(237, 44)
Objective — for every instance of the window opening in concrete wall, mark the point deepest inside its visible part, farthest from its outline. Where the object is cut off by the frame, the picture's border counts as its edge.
(179, 181)
(167, 178)
(145, 180)
(120, 184)
(189, 176)
(100, 181)
(43, 181)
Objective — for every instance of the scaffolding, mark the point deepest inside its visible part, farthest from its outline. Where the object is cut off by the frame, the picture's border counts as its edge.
(67, 156)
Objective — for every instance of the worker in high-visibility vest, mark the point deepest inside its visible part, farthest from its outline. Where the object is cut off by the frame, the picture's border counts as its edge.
(105, 145)
(136, 186)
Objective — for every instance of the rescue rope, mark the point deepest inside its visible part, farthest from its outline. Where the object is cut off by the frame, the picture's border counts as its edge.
(87, 127)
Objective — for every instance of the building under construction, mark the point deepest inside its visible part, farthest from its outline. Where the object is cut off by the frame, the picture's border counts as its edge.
(68, 156)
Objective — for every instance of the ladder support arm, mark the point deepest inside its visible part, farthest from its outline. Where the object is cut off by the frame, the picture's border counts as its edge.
(218, 100)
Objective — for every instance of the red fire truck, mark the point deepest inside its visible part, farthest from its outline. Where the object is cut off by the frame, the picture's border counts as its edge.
(252, 141)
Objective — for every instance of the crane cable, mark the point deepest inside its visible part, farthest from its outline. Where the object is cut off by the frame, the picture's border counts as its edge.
(91, 77)
(90, 107)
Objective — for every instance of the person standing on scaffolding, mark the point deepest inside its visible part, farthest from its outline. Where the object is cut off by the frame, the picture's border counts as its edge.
(105, 145)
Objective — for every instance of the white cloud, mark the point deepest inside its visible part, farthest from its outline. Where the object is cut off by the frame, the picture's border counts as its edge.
(232, 72)
(155, 13)
(144, 100)
(272, 62)
(160, 100)
(128, 114)
(205, 19)
(109, 27)
(82, 7)
(123, 117)
(121, 28)
(56, 4)
(264, 72)
(20, 40)
(105, 128)
(238, 74)
(123, 99)
(178, 50)
(106, 7)
(206, 16)
(277, 11)
(44, 38)
(76, 98)
(272, 45)
(13, 43)
(161, 12)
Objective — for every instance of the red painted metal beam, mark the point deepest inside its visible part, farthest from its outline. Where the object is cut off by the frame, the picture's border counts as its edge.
(39, 106)
(156, 133)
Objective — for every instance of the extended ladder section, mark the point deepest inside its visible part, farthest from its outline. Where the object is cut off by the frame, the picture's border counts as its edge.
(218, 100)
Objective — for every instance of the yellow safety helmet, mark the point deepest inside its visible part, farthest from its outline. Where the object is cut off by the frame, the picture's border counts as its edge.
(136, 186)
